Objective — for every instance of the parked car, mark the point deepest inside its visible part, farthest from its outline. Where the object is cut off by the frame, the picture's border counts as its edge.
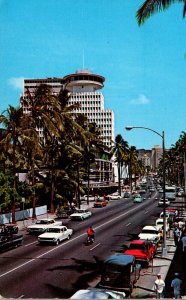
(9, 228)
(138, 198)
(55, 235)
(81, 214)
(120, 272)
(100, 203)
(150, 233)
(9, 241)
(98, 293)
(42, 225)
(142, 250)
(161, 202)
(160, 224)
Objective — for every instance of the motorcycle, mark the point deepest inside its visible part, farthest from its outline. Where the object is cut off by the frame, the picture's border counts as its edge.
(90, 239)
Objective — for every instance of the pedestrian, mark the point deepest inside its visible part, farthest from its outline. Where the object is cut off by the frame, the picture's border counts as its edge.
(183, 244)
(176, 233)
(176, 285)
(159, 287)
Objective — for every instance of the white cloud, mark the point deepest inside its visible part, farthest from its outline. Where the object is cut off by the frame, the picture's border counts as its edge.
(17, 82)
(141, 100)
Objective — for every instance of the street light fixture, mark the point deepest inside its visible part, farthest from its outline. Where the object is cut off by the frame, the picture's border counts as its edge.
(164, 250)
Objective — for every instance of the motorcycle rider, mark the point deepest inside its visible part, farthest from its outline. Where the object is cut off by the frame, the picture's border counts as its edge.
(90, 233)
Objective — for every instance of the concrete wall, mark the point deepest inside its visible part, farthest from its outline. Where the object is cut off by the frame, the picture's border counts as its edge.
(22, 214)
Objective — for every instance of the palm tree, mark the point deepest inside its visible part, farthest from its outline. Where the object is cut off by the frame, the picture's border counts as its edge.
(120, 150)
(132, 161)
(12, 121)
(150, 7)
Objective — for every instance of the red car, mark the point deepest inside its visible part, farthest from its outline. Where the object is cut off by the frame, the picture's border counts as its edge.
(142, 250)
(100, 203)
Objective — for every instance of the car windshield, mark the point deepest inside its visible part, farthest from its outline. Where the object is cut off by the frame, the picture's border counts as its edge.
(159, 223)
(56, 230)
(42, 222)
(137, 246)
(150, 231)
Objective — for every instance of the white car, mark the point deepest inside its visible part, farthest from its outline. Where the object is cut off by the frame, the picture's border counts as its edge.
(150, 233)
(81, 214)
(114, 196)
(160, 224)
(55, 235)
(161, 202)
(98, 293)
(42, 225)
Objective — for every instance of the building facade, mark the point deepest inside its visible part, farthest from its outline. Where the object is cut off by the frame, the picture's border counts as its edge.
(84, 89)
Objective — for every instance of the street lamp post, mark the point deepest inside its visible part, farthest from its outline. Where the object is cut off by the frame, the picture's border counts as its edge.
(164, 250)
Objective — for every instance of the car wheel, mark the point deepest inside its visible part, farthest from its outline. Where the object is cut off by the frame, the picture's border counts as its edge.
(57, 242)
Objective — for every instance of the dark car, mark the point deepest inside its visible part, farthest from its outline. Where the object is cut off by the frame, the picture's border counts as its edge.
(65, 212)
(126, 195)
(120, 272)
(8, 228)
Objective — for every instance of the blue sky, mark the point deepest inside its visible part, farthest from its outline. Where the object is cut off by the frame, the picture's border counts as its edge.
(144, 67)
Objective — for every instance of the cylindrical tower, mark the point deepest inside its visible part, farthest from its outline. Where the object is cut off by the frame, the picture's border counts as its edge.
(83, 81)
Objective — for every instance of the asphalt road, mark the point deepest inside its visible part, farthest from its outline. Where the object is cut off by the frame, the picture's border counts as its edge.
(46, 271)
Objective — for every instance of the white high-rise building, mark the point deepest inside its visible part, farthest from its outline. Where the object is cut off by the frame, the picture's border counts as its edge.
(84, 87)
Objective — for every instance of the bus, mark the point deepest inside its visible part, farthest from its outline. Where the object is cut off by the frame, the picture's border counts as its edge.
(170, 192)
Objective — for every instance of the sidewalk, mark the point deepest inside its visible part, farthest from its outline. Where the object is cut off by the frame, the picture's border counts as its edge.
(159, 265)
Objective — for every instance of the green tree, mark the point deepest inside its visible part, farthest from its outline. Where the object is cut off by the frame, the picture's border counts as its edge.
(13, 133)
(150, 7)
(120, 150)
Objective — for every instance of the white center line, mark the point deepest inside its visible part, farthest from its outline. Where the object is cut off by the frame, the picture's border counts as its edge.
(95, 247)
(128, 224)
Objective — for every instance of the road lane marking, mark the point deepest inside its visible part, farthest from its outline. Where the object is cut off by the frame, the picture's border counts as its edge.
(95, 247)
(30, 244)
(128, 224)
(67, 242)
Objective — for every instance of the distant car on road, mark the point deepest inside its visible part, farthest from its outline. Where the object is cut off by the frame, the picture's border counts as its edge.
(138, 198)
(114, 196)
(55, 235)
(126, 195)
(65, 212)
(81, 214)
(100, 203)
(42, 225)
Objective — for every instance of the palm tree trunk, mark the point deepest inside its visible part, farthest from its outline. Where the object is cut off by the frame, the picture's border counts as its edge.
(119, 179)
(33, 196)
(52, 195)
